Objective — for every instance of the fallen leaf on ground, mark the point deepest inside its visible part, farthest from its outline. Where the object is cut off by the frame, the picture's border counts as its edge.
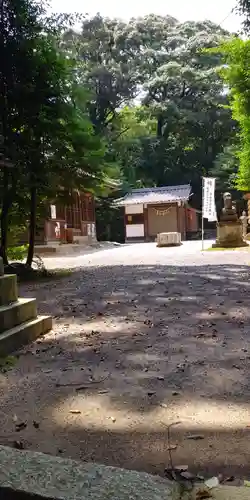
(75, 412)
(181, 468)
(172, 447)
(21, 426)
(203, 495)
(19, 445)
(195, 437)
(230, 479)
(213, 482)
(188, 475)
(36, 424)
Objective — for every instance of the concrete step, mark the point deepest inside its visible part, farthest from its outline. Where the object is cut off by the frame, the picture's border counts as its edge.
(16, 313)
(8, 289)
(16, 337)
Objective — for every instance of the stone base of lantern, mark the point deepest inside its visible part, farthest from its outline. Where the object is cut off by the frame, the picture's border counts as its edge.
(229, 235)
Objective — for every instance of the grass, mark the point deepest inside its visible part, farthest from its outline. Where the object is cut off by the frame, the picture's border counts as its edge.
(46, 275)
(26, 274)
(221, 249)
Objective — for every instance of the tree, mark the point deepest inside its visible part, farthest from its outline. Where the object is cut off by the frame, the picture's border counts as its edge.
(236, 73)
(48, 141)
(109, 79)
(243, 8)
(185, 122)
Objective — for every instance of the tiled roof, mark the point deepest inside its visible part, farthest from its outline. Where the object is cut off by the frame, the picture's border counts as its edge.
(166, 194)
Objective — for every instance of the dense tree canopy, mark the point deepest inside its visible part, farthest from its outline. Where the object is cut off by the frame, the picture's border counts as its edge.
(140, 101)
(162, 106)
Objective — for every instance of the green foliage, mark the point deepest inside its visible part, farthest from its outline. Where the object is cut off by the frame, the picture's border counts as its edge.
(178, 124)
(112, 106)
(7, 363)
(17, 252)
(237, 76)
(110, 219)
(48, 142)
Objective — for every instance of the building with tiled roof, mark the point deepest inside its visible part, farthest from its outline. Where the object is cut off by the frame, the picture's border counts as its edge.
(149, 211)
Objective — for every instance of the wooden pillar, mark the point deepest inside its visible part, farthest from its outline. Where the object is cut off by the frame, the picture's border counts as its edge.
(185, 221)
(145, 220)
(124, 219)
(178, 218)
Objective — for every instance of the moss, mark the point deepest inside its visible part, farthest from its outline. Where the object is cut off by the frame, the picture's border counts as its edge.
(7, 363)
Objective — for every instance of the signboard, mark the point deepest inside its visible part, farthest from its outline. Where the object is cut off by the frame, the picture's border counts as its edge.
(208, 200)
(53, 211)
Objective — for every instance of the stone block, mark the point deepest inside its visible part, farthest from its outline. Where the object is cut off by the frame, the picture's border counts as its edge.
(16, 313)
(27, 475)
(8, 289)
(14, 338)
(168, 239)
(65, 479)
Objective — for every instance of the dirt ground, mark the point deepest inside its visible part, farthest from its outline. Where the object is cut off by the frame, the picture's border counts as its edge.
(141, 340)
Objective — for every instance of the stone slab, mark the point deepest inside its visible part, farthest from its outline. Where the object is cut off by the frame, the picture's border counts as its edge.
(64, 479)
(16, 313)
(8, 289)
(29, 475)
(16, 337)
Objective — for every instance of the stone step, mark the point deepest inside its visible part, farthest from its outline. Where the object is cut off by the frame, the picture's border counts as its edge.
(16, 337)
(8, 289)
(16, 313)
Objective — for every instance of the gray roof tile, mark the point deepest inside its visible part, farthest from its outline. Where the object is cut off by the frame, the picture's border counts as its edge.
(166, 194)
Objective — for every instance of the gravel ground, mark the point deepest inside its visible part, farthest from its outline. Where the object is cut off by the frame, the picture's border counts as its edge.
(143, 338)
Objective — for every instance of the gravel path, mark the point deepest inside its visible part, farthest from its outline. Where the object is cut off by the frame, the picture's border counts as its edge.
(143, 338)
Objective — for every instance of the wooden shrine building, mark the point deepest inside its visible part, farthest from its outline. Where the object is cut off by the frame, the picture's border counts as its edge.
(149, 211)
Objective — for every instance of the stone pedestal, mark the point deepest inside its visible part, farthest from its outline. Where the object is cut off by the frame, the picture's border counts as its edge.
(19, 323)
(229, 235)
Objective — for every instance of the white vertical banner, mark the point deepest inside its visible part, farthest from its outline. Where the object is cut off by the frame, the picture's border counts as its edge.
(208, 199)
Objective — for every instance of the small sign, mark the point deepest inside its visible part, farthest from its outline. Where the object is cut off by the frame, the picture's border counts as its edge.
(53, 211)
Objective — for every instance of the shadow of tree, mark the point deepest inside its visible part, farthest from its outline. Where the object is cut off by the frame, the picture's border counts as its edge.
(150, 345)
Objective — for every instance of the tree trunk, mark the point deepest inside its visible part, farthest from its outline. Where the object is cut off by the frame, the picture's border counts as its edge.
(6, 204)
(4, 232)
(159, 126)
(32, 225)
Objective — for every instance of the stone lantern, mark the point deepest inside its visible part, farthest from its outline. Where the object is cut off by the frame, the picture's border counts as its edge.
(229, 228)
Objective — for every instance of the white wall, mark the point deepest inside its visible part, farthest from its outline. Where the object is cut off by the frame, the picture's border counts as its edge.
(134, 209)
(135, 231)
